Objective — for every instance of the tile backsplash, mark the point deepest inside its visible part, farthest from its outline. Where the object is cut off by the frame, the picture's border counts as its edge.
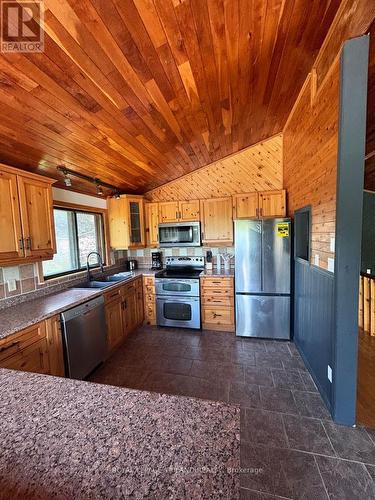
(19, 283)
(143, 255)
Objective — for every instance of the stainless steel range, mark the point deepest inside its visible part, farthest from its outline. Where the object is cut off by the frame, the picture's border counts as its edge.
(178, 292)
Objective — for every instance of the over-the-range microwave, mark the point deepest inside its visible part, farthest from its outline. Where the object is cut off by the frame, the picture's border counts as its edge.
(180, 234)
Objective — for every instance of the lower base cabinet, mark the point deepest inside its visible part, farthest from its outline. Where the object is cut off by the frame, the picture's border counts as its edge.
(37, 349)
(217, 304)
(149, 300)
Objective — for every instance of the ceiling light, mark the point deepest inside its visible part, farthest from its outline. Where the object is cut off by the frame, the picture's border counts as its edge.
(116, 195)
(67, 179)
(99, 189)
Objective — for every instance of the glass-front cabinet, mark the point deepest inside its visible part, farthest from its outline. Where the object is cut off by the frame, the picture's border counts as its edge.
(126, 222)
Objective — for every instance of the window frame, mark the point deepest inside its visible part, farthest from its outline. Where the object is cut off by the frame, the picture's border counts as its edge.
(304, 210)
(104, 231)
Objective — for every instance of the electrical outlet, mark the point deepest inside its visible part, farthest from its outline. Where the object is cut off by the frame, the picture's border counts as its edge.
(12, 285)
(368, 271)
(329, 373)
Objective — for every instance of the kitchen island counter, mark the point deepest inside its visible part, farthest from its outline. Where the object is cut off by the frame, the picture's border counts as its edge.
(70, 439)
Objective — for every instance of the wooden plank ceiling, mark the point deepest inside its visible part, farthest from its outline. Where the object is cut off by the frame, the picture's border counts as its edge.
(140, 92)
(256, 168)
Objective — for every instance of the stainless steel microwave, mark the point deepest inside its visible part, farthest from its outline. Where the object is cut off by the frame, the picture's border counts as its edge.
(180, 234)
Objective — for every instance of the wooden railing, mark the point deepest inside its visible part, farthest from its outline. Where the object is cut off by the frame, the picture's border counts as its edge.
(366, 310)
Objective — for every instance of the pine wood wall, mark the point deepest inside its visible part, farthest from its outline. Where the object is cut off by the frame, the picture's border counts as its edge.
(257, 168)
(310, 160)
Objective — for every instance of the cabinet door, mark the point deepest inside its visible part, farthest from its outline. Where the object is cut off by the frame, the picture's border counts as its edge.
(136, 223)
(33, 358)
(115, 329)
(55, 347)
(272, 203)
(130, 311)
(140, 309)
(117, 218)
(11, 245)
(246, 206)
(168, 211)
(189, 210)
(37, 217)
(152, 221)
(217, 221)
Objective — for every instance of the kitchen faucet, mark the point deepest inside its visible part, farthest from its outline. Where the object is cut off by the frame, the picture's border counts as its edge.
(88, 264)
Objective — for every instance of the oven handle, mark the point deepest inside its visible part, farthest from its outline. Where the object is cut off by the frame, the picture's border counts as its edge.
(186, 299)
(162, 281)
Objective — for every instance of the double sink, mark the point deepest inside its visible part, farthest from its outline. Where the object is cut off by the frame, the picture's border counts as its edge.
(105, 281)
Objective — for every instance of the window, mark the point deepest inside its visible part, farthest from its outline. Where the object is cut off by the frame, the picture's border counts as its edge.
(77, 234)
(302, 225)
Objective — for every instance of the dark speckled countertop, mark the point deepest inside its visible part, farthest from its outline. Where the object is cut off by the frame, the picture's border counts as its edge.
(16, 318)
(69, 439)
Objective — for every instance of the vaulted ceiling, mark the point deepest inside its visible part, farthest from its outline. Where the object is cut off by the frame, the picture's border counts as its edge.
(140, 92)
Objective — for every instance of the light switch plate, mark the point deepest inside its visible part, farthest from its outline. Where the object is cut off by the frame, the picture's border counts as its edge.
(329, 373)
(332, 245)
(368, 271)
(316, 259)
(331, 265)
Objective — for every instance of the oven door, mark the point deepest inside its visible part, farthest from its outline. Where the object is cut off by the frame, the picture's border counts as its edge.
(177, 287)
(178, 312)
(183, 234)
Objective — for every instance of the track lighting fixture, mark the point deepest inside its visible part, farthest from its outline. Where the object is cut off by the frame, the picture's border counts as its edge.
(67, 173)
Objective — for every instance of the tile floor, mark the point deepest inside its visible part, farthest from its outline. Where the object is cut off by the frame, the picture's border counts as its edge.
(290, 448)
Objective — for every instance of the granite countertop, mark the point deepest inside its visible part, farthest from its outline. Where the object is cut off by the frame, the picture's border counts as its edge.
(20, 316)
(70, 439)
(222, 273)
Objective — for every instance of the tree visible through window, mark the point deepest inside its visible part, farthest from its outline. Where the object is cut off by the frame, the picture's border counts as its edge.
(77, 234)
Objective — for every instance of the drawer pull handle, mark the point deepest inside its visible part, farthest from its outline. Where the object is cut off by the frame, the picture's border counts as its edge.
(113, 295)
(13, 344)
(217, 315)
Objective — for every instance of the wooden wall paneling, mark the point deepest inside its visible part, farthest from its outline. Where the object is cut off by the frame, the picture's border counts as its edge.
(139, 93)
(258, 168)
(311, 140)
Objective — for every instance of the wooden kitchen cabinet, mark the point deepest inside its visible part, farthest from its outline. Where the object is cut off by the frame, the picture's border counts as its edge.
(152, 221)
(217, 303)
(168, 211)
(272, 203)
(27, 350)
(179, 211)
(149, 300)
(129, 311)
(114, 320)
(126, 222)
(217, 221)
(246, 206)
(55, 346)
(26, 217)
(139, 299)
(257, 205)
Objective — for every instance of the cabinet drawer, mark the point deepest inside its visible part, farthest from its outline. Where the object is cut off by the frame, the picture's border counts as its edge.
(148, 280)
(217, 282)
(33, 358)
(21, 340)
(129, 288)
(218, 315)
(150, 289)
(112, 295)
(217, 292)
(217, 300)
(150, 311)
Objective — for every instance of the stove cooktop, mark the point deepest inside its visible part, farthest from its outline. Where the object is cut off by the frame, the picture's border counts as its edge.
(178, 274)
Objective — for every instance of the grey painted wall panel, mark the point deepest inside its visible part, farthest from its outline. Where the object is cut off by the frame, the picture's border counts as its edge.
(314, 322)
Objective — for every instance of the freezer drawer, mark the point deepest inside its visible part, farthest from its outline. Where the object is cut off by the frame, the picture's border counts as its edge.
(263, 316)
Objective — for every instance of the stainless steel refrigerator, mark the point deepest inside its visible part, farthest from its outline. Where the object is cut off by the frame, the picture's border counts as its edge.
(262, 278)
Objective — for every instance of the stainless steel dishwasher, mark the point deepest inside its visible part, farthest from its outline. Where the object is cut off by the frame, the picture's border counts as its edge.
(84, 337)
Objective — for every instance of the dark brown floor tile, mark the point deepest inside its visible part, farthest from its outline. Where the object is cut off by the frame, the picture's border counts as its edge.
(214, 338)
(310, 404)
(253, 345)
(275, 399)
(121, 377)
(243, 357)
(267, 360)
(258, 376)
(208, 353)
(293, 363)
(263, 428)
(307, 434)
(351, 443)
(287, 379)
(371, 471)
(246, 494)
(293, 349)
(244, 394)
(346, 480)
(169, 364)
(371, 433)
(282, 472)
(277, 347)
(308, 381)
(217, 370)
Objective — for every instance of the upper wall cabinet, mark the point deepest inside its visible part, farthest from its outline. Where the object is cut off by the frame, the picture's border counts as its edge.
(126, 222)
(175, 211)
(26, 217)
(152, 221)
(217, 221)
(272, 203)
(256, 205)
